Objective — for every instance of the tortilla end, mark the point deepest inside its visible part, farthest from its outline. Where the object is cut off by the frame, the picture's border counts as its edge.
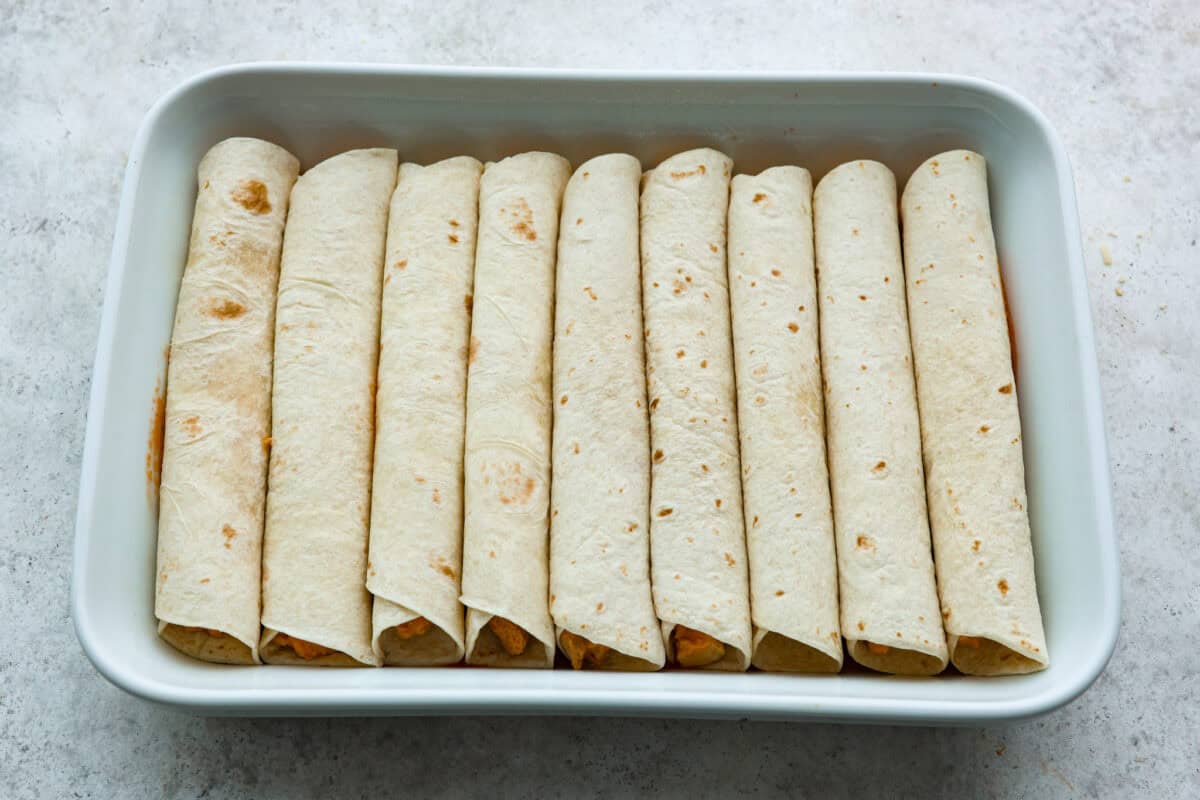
(614, 661)
(989, 657)
(434, 648)
(734, 660)
(489, 652)
(779, 653)
(897, 660)
(274, 653)
(200, 645)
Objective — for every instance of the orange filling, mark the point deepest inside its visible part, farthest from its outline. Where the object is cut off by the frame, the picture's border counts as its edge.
(696, 649)
(512, 637)
(878, 649)
(306, 650)
(582, 651)
(413, 628)
(213, 633)
(970, 641)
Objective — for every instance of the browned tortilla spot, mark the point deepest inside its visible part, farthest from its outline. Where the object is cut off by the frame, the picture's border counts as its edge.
(252, 196)
(523, 224)
(699, 170)
(225, 309)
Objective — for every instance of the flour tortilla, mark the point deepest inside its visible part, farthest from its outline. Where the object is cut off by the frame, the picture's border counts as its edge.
(785, 483)
(885, 570)
(416, 499)
(697, 538)
(507, 465)
(326, 342)
(599, 519)
(970, 427)
(218, 407)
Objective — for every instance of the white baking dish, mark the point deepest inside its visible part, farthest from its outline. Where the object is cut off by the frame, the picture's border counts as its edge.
(812, 120)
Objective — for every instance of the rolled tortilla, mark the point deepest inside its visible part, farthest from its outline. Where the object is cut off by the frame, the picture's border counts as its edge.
(697, 538)
(888, 597)
(507, 466)
(599, 519)
(316, 609)
(416, 499)
(970, 427)
(218, 408)
(785, 483)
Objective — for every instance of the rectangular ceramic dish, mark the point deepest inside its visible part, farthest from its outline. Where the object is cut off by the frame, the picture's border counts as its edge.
(815, 121)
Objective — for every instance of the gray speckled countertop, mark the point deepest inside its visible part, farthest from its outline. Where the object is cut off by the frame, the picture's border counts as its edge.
(1121, 84)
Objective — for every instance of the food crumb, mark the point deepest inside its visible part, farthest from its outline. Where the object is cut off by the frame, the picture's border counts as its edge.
(1119, 292)
(1106, 255)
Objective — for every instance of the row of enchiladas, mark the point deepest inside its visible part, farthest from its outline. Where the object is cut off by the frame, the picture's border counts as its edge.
(422, 414)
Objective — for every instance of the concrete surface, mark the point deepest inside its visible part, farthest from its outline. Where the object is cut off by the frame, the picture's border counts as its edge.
(1120, 82)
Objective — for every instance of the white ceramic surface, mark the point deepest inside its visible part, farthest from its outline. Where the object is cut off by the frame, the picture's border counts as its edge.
(812, 120)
